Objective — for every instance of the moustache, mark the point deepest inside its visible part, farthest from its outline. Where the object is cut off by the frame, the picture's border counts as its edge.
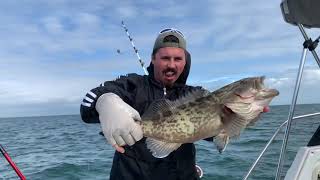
(170, 70)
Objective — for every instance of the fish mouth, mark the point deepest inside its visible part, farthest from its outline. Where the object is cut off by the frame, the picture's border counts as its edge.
(268, 93)
(227, 110)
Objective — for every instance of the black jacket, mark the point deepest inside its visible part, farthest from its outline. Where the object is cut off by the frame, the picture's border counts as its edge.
(137, 163)
(315, 140)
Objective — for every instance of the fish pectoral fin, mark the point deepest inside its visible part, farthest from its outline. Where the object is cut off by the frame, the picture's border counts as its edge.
(233, 125)
(253, 122)
(161, 149)
(221, 141)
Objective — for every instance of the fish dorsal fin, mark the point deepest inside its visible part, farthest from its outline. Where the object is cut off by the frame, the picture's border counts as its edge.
(161, 149)
(191, 96)
(158, 107)
(163, 107)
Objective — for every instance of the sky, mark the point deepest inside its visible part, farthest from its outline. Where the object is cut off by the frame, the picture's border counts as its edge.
(53, 52)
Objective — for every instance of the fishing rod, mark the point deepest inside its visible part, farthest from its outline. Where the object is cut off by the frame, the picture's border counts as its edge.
(134, 48)
(12, 164)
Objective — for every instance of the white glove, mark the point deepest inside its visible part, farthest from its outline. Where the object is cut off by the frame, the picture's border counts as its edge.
(117, 120)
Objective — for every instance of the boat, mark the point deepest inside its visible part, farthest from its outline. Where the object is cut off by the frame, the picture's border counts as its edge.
(306, 164)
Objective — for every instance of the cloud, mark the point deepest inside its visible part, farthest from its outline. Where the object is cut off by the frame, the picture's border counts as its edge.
(53, 25)
(53, 52)
(127, 11)
(283, 81)
(286, 81)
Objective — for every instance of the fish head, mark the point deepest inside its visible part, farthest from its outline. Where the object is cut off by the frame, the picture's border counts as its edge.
(248, 97)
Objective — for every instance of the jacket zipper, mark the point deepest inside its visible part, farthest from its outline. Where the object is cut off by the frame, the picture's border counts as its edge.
(164, 91)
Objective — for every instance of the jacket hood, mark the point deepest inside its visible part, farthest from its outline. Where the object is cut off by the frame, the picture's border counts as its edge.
(183, 76)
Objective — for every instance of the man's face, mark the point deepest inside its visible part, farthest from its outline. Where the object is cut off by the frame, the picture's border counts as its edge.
(168, 64)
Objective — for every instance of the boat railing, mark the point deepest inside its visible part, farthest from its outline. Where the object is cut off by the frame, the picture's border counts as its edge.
(271, 140)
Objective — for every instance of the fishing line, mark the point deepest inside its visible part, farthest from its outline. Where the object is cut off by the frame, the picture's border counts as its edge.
(134, 48)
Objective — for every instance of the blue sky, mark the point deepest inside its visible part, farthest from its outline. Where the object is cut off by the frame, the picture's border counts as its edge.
(53, 52)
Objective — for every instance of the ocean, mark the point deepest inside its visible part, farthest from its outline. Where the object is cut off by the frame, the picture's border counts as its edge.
(64, 147)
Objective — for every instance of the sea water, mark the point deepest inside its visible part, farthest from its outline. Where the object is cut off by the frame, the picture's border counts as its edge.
(64, 147)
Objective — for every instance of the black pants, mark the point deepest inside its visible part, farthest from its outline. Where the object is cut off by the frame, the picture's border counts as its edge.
(315, 140)
(127, 167)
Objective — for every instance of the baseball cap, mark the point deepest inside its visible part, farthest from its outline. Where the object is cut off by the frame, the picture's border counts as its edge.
(170, 37)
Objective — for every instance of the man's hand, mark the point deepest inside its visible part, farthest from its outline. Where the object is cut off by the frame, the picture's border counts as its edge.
(117, 120)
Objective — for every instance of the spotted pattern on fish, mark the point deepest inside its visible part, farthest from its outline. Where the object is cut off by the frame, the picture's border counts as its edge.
(188, 124)
(222, 114)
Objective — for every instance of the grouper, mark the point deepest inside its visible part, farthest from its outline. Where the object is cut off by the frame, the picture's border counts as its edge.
(201, 114)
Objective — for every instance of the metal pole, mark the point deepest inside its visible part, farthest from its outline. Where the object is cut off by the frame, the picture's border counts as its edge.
(290, 116)
(314, 53)
(264, 149)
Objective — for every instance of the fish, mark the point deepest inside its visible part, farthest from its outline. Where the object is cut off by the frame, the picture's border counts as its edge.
(201, 114)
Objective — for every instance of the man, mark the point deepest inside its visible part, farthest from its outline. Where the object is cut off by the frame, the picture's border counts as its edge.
(118, 104)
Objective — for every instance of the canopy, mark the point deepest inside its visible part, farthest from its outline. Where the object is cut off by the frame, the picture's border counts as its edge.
(305, 12)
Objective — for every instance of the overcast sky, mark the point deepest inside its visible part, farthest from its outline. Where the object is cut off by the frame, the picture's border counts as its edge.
(53, 52)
